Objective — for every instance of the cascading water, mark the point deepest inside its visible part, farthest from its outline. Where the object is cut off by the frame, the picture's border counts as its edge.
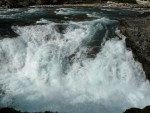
(55, 66)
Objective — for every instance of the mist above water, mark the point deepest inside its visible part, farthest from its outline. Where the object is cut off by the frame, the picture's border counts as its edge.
(49, 67)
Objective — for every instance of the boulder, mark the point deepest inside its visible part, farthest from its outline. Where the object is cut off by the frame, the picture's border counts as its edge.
(8, 110)
(138, 38)
(11, 110)
(137, 110)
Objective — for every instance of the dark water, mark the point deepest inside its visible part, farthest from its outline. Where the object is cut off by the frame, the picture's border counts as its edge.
(22, 17)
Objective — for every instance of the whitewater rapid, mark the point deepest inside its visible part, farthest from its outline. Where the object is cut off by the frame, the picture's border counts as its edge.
(47, 67)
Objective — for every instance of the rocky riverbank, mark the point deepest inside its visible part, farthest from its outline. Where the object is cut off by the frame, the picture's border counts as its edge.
(60, 3)
(137, 31)
(98, 5)
(26, 3)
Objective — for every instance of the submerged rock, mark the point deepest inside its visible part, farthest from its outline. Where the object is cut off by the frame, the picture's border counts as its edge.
(137, 31)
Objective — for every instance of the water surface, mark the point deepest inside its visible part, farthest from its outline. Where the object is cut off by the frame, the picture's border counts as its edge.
(68, 60)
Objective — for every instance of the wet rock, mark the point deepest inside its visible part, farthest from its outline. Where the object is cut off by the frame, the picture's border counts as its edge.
(61, 28)
(137, 110)
(40, 2)
(92, 52)
(25, 3)
(147, 108)
(11, 110)
(145, 14)
(2, 2)
(134, 110)
(8, 110)
(6, 31)
(137, 31)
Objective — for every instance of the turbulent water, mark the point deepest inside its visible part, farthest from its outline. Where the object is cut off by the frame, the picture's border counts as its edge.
(68, 60)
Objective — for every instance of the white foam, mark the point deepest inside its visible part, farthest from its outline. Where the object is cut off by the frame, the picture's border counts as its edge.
(64, 11)
(93, 15)
(43, 21)
(69, 11)
(17, 13)
(37, 76)
(107, 9)
(6, 13)
(9, 10)
(33, 10)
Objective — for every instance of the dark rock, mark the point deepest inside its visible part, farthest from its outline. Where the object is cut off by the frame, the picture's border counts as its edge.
(147, 108)
(8, 110)
(11, 110)
(2, 2)
(25, 3)
(92, 52)
(6, 31)
(134, 110)
(57, 1)
(137, 110)
(41, 2)
(61, 28)
(145, 14)
(137, 31)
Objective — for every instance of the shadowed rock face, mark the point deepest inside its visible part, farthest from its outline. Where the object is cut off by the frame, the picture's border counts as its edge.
(137, 110)
(24, 3)
(137, 31)
(8, 110)
(11, 110)
(132, 110)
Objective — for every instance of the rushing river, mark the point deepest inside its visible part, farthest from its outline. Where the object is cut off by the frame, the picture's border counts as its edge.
(71, 60)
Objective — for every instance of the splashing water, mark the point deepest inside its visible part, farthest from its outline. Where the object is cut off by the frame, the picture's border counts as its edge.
(47, 68)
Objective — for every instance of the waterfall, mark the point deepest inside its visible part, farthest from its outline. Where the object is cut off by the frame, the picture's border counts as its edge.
(73, 67)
